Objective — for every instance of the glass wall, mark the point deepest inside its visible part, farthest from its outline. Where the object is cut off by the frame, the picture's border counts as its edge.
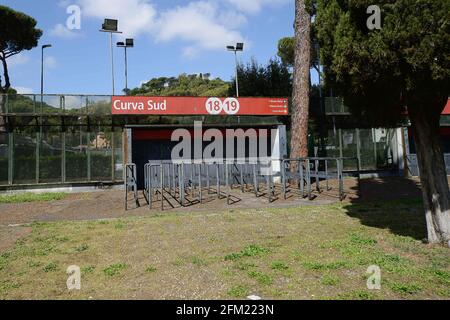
(24, 156)
(76, 156)
(100, 148)
(367, 151)
(4, 150)
(48, 154)
(375, 147)
(118, 155)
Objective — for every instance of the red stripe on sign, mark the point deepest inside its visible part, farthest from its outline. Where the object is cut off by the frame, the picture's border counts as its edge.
(446, 110)
(198, 106)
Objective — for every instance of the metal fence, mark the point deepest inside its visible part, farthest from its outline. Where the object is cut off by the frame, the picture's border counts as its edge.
(171, 184)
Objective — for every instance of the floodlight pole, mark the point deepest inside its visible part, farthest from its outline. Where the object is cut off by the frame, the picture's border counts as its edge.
(237, 82)
(126, 70)
(111, 30)
(42, 67)
(112, 62)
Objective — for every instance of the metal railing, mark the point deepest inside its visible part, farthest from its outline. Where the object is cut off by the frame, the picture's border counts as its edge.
(184, 183)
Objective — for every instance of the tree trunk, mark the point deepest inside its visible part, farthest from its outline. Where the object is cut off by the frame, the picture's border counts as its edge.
(3, 91)
(300, 95)
(433, 175)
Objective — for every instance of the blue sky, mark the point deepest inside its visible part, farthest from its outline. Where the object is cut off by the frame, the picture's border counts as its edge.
(171, 37)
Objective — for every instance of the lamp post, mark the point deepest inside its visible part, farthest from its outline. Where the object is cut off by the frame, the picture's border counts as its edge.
(239, 47)
(42, 66)
(129, 43)
(110, 26)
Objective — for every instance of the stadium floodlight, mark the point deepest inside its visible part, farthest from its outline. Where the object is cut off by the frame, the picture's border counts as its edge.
(129, 43)
(111, 26)
(239, 47)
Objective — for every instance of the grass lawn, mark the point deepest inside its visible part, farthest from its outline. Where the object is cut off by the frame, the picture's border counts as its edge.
(314, 252)
(31, 197)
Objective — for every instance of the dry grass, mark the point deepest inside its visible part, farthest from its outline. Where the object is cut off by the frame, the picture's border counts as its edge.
(289, 253)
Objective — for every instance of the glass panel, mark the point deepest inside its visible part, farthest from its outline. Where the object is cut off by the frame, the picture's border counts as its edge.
(50, 157)
(24, 157)
(118, 154)
(349, 143)
(74, 104)
(3, 158)
(101, 156)
(99, 105)
(76, 154)
(19, 103)
(384, 151)
(368, 160)
(49, 103)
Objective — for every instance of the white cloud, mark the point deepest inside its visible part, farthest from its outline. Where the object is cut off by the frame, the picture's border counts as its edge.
(199, 24)
(61, 31)
(255, 6)
(23, 90)
(135, 16)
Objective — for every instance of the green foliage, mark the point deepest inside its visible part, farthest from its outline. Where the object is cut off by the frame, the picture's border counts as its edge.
(238, 291)
(286, 50)
(405, 288)
(330, 280)
(114, 269)
(255, 80)
(262, 278)
(250, 251)
(31, 197)
(150, 269)
(184, 85)
(379, 72)
(82, 248)
(18, 33)
(279, 265)
(50, 267)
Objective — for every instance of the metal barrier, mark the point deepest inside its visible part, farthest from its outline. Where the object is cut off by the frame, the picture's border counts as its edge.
(187, 182)
(303, 172)
(131, 184)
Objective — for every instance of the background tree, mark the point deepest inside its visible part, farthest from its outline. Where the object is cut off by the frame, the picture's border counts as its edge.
(380, 72)
(255, 80)
(184, 85)
(17, 33)
(301, 81)
(286, 49)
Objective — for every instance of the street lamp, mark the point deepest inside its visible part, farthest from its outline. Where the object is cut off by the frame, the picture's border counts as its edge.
(129, 43)
(239, 47)
(42, 66)
(110, 25)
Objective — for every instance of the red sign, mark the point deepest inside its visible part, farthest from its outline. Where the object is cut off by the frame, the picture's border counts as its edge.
(446, 110)
(198, 106)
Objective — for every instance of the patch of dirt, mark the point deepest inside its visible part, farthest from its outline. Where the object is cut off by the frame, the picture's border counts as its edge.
(111, 203)
(10, 234)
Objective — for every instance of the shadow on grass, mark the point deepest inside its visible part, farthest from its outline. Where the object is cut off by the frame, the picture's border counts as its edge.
(392, 203)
